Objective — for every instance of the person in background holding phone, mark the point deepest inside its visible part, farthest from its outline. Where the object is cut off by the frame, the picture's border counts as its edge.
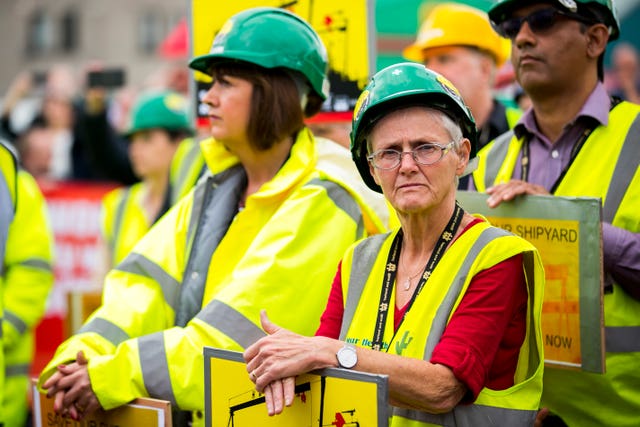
(104, 149)
(76, 152)
(56, 115)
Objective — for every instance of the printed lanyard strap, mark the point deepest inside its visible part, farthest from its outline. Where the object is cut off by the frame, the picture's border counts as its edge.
(391, 267)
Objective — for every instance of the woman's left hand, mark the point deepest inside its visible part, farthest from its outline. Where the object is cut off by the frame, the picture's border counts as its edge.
(279, 394)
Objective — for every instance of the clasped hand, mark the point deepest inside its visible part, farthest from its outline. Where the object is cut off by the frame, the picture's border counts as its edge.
(70, 386)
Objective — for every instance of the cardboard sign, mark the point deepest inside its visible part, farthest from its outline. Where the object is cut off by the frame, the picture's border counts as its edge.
(327, 397)
(80, 305)
(140, 412)
(568, 233)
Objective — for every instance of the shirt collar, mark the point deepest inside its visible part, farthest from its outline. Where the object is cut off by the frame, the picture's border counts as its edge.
(596, 107)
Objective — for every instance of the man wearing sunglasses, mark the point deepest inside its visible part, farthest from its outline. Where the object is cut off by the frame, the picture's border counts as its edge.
(577, 141)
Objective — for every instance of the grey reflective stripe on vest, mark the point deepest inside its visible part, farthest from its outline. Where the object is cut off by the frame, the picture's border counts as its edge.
(342, 200)
(364, 255)
(106, 329)
(1, 328)
(215, 207)
(624, 171)
(17, 322)
(471, 416)
(185, 167)
(495, 157)
(18, 370)
(37, 263)
(140, 265)
(196, 207)
(6, 216)
(155, 367)
(118, 218)
(231, 322)
(446, 307)
(622, 339)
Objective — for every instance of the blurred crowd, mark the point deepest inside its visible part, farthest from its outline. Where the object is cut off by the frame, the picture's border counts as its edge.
(53, 118)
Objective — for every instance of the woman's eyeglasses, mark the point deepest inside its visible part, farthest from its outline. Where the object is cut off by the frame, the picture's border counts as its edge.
(425, 154)
(539, 22)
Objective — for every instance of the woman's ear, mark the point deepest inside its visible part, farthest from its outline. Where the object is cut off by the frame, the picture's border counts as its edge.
(463, 152)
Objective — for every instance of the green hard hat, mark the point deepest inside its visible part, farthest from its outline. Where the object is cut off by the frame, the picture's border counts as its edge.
(160, 110)
(403, 85)
(271, 38)
(597, 10)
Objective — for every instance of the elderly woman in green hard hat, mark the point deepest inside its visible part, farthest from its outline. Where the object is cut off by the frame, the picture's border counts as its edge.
(447, 306)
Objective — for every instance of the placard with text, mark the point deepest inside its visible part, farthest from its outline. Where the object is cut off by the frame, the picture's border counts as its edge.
(568, 233)
(141, 412)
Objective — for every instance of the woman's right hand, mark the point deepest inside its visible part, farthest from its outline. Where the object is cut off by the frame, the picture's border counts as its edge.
(274, 361)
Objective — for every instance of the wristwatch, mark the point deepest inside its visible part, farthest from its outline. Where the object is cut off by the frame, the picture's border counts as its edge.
(347, 356)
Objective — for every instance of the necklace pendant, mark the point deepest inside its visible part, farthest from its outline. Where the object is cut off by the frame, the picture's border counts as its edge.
(407, 284)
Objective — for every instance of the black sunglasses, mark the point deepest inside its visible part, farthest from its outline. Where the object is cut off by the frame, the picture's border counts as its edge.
(539, 21)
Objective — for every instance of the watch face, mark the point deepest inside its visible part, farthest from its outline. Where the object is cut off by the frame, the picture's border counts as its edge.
(347, 357)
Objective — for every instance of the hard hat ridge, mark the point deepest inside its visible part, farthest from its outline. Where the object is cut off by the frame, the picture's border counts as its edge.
(271, 38)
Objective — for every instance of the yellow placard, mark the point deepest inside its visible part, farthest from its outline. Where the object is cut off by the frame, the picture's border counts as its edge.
(558, 243)
(567, 233)
(80, 305)
(328, 397)
(141, 412)
(346, 28)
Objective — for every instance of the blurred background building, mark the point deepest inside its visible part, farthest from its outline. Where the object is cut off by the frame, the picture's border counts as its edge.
(118, 33)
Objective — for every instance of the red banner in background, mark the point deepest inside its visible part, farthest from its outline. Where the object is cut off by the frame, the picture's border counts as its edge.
(74, 211)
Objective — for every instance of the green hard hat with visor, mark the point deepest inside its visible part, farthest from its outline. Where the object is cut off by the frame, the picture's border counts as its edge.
(271, 38)
(593, 10)
(404, 85)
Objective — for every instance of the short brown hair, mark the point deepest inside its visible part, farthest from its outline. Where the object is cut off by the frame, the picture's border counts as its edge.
(275, 104)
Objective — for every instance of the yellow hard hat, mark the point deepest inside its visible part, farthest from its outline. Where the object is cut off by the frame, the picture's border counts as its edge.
(453, 24)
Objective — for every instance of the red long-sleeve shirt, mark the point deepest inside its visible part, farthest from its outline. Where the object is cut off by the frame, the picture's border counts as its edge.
(482, 341)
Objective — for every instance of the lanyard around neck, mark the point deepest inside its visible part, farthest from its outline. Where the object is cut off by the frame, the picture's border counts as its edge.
(525, 161)
(392, 265)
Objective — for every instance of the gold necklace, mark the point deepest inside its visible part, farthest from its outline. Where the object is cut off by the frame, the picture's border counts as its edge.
(409, 279)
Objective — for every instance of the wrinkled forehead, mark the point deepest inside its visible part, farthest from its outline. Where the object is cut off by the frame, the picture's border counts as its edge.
(411, 123)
